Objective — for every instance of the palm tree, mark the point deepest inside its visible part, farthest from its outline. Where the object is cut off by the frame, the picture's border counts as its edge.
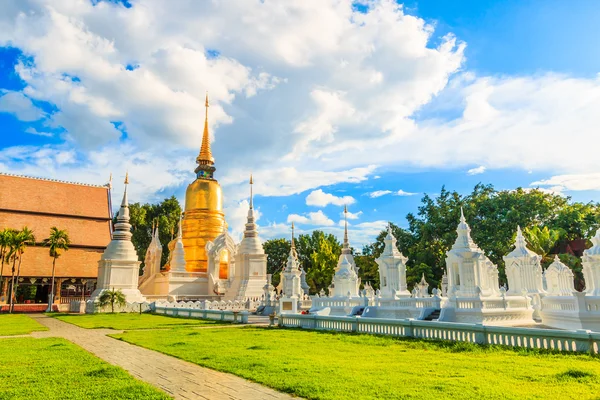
(112, 297)
(5, 237)
(58, 241)
(20, 241)
(542, 241)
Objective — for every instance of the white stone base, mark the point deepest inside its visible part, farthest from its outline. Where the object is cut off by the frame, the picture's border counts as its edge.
(177, 285)
(288, 305)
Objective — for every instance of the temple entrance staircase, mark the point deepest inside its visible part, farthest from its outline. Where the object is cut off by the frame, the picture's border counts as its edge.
(433, 316)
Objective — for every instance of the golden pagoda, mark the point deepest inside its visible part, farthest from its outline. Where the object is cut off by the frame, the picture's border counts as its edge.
(203, 219)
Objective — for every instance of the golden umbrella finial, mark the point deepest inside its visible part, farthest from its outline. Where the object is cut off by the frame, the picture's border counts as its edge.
(127, 178)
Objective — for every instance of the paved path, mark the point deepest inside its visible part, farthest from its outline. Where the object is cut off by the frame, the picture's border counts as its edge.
(180, 379)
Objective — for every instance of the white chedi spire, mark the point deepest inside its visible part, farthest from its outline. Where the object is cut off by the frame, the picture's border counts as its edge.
(251, 243)
(463, 240)
(591, 267)
(119, 267)
(521, 249)
(178, 257)
(390, 248)
(121, 247)
(345, 279)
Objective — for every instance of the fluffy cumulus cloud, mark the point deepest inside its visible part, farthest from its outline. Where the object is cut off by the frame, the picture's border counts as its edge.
(319, 198)
(379, 193)
(317, 218)
(477, 170)
(304, 94)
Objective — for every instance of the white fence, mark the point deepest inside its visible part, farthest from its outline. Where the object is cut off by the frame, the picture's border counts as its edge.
(219, 315)
(580, 341)
(212, 305)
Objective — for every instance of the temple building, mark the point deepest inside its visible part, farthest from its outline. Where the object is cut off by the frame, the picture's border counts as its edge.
(215, 266)
(84, 211)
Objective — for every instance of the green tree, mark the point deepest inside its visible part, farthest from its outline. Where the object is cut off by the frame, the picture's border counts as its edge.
(58, 241)
(277, 251)
(144, 216)
(542, 240)
(112, 297)
(20, 241)
(323, 261)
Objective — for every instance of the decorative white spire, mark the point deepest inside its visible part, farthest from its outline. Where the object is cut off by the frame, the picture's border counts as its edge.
(346, 245)
(390, 247)
(122, 227)
(463, 240)
(178, 258)
(251, 243)
(251, 183)
(521, 249)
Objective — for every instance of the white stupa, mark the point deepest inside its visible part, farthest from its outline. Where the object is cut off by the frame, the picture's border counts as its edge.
(523, 268)
(118, 268)
(392, 269)
(470, 272)
(178, 255)
(346, 282)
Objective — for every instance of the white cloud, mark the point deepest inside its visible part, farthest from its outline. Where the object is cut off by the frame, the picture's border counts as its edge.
(476, 171)
(574, 182)
(379, 193)
(403, 193)
(319, 198)
(20, 105)
(312, 218)
(351, 215)
(34, 131)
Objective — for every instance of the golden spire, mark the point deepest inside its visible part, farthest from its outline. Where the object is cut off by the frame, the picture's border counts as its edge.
(127, 178)
(205, 157)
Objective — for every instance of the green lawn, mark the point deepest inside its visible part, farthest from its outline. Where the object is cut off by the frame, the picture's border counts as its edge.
(18, 324)
(126, 321)
(320, 365)
(55, 368)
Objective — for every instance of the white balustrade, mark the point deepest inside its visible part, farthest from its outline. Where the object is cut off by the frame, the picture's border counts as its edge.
(550, 339)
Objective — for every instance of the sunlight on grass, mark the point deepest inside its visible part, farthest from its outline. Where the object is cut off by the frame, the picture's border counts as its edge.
(319, 365)
(126, 321)
(54, 368)
(18, 324)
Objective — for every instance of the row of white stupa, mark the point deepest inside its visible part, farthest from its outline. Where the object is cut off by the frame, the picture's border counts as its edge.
(119, 266)
(470, 289)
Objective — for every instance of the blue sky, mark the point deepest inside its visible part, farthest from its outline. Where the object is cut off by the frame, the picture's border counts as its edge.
(325, 103)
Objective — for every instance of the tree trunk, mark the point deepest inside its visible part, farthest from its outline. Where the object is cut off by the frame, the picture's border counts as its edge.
(12, 287)
(2, 270)
(18, 272)
(112, 305)
(52, 284)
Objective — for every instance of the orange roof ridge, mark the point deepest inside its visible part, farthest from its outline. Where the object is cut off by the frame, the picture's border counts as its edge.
(54, 180)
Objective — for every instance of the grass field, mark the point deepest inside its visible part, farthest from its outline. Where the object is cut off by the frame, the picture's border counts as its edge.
(18, 324)
(54, 368)
(126, 321)
(319, 365)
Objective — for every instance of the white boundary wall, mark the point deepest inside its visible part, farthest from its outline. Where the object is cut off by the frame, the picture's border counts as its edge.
(219, 315)
(580, 341)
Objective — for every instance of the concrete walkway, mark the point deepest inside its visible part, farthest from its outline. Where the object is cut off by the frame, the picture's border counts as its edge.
(180, 379)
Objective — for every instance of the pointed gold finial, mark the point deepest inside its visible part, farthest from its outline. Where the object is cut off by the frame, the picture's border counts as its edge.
(127, 178)
(205, 157)
(110, 181)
